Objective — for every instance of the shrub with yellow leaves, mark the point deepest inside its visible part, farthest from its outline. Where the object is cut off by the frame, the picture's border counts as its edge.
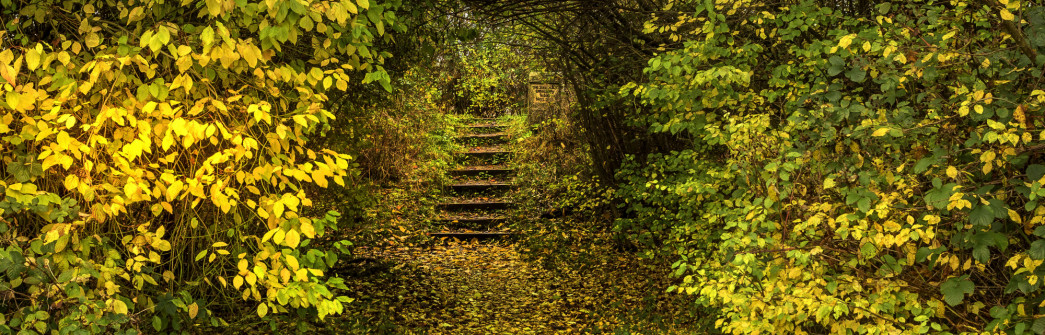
(156, 156)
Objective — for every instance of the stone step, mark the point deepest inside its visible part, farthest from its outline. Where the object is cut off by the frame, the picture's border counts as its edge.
(488, 123)
(483, 139)
(484, 128)
(469, 235)
(497, 135)
(486, 154)
(480, 186)
(490, 170)
(473, 221)
(475, 206)
(484, 119)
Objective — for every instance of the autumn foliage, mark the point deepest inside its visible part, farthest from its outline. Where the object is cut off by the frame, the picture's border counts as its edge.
(156, 153)
(852, 167)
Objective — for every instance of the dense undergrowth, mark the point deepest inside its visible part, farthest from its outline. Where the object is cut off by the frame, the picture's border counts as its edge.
(160, 162)
(872, 169)
(736, 166)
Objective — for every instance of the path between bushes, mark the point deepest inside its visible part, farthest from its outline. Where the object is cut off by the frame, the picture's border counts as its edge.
(491, 286)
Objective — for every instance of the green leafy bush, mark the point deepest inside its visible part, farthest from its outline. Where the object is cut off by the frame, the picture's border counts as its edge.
(854, 167)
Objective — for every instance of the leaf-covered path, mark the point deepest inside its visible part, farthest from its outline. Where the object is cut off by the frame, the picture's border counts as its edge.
(456, 284)
(492, 288)
(472, 288)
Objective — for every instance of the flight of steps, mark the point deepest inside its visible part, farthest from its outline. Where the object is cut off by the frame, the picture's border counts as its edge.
(476, 206)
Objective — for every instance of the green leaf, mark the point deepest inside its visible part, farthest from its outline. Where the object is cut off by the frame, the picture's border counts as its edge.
(837, 65)
(65, 276)
(1035, 172)
(157, 323)
(856, 74)
(1037, 249)
(955, 289)
(1039, 325)
(923, 164)
(982, 216)
(864, 204)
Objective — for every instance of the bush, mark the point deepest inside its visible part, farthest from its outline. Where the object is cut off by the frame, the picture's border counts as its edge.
(156, 157)
(872, 167)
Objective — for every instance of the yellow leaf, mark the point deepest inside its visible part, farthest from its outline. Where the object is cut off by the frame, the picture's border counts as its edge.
(32, 59)
(277, 209)
(92, 40)
(1015, 217)
(319, 179)
(237, 282)
(119, 306)
(71, 181)
(8, 73)
(213, 7)
(292, 239)
(130, 189)
(194, 309)
(987, 156)
(952, 172)
(263, 310)
(901, 58)
(1007, 15)
(880, 132)
(308, 230)
(292, 262)
(279, 236)
(846, 40)
(291, 202)
(173, 190)
(6, 57)
(364, 4)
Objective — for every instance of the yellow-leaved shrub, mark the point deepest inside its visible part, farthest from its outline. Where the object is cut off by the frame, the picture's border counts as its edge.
(156, 156)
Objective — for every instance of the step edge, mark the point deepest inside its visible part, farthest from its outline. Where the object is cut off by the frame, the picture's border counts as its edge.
(482, 184)
(484, 152)
(474, 203)
(451, 234)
